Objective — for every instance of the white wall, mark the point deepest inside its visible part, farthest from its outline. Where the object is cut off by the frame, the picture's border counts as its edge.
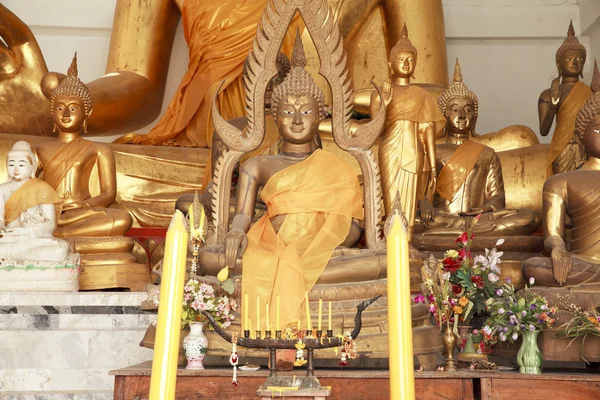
(506, 47)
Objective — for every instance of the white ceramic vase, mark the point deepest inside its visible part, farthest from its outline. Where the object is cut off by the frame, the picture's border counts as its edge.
(196, 346)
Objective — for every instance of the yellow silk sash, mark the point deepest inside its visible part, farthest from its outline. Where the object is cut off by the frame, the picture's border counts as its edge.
(458, 167)
(62, 162)
(320, 196)
(565, 120)
(30, 194)
(417, 105)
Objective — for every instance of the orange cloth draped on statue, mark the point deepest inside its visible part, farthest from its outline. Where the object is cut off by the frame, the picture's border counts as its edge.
(565, 120)
(401, 152)
(458, 167)
(62, 162)
(219, 35)
(320, 196)
(30, 194)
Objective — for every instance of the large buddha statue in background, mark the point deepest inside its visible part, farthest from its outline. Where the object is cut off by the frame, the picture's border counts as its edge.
(574, 196)
(470, 180)
(562, 101)
(86, 220)
(407, 148)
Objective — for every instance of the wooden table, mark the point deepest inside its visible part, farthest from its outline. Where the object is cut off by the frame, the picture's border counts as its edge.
(133, 383)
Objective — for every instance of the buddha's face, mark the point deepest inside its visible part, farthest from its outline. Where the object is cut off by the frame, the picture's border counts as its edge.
(69, 113)
(403, 64)
(591, 138)
(19, 166)
(460, 115)
(297, 118)
(571, 63)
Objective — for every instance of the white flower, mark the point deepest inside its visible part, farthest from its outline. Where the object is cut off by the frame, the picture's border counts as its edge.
(515, 335)
(499, 242)
(531, 281)
(446, 276)
(480, 261)
(493, 277)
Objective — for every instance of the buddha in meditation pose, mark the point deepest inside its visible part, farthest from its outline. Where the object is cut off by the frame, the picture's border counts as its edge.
(407, 148)
(562, 100)
(30, 210)
(470, 179)
(67, 166)
(575, 196)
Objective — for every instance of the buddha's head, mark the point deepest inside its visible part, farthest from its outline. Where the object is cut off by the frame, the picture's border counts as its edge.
(298, 104)
(283, 68)
(71, 103)
(459, 105)
(21, 163)
(403, 57)
(570, 56)
(587, 123)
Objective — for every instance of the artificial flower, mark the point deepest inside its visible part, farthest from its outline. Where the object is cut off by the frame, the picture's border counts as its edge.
(478, 281)
(457, 310)
(451, 265)
(456, 289)
(463, 301)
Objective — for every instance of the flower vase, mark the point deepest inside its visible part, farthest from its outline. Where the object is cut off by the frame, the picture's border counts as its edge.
(529, 356)
(449, 342)
(196, 346)
(463, 332)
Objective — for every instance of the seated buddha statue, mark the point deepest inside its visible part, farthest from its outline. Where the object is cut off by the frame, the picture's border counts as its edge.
(86, 220)
(573, 196)
(470, 180)
(562, 101)
(31, 259)
(407, 147)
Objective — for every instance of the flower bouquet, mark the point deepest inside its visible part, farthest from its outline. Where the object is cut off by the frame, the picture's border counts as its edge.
(581, 324)
(522, 314)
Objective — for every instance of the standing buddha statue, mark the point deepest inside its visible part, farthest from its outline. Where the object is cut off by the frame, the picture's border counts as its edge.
(470, 180)
(562, 100)
(407, 148)
(95, 230)
(575, 195)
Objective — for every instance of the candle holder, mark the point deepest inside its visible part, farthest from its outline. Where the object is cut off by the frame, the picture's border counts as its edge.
(311, 344)
(319, 333)
(246, 333)
(258, 334)
(268, 334)
(309, 333)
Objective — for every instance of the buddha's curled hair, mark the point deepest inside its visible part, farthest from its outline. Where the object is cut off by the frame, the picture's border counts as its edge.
(570, 43)
(458, 90)
(72, 86)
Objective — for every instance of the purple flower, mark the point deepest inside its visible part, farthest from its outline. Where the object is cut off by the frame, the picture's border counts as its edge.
(420, 299)
(508, 280)
(513, 320)
(452, 302)
(531, 327)
(499, 292)
(524, 313)
(505, 329)
(531, 281)
(431, 298)
(501, 311)
(532, 307)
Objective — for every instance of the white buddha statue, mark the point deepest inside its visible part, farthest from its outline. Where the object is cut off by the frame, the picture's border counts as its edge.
(31, 258)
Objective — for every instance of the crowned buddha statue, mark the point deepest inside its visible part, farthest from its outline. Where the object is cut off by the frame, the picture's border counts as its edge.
(67, 164)
(562, 101)
(407, 147)
(31, 259)
(316, 210)
(574, 196)
(470, 180)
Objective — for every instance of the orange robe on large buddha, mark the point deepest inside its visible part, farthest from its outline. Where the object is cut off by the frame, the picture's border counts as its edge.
(320, 195)
(219, 35)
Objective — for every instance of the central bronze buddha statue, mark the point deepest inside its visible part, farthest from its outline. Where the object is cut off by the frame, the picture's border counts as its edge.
(470, 180)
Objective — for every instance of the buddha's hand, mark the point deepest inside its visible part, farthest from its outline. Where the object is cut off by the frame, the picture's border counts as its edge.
(74, 205)
(561, 263)
(472, 213)
(555, 91)
(427, 212)
(236, 242)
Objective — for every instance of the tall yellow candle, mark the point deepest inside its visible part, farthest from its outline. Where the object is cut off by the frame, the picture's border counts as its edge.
(166, 346)
(329, 325)
(267, 328)
(320, 314)
(258, 313)
(402, 380)
(277, 321)
(246, 314)
(308, 320)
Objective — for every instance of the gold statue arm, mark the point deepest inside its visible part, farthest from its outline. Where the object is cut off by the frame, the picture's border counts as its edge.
(354, 234)
(494, 187)
(361, 100)
(427, 133)
(554, 209)
(107, 175)
(20, 41)
(547, 112)
(130, 95)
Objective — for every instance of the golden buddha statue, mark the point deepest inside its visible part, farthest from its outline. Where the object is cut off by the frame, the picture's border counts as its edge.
(407, 148)
(67, 164)
(573, 196)
(470, 181)
(316, 209)
(563, 100)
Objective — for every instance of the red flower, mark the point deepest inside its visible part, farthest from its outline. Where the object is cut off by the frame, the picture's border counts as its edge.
(478, 280)
(451, 265)
(464, 238)
(464, 254)
(456, 289)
